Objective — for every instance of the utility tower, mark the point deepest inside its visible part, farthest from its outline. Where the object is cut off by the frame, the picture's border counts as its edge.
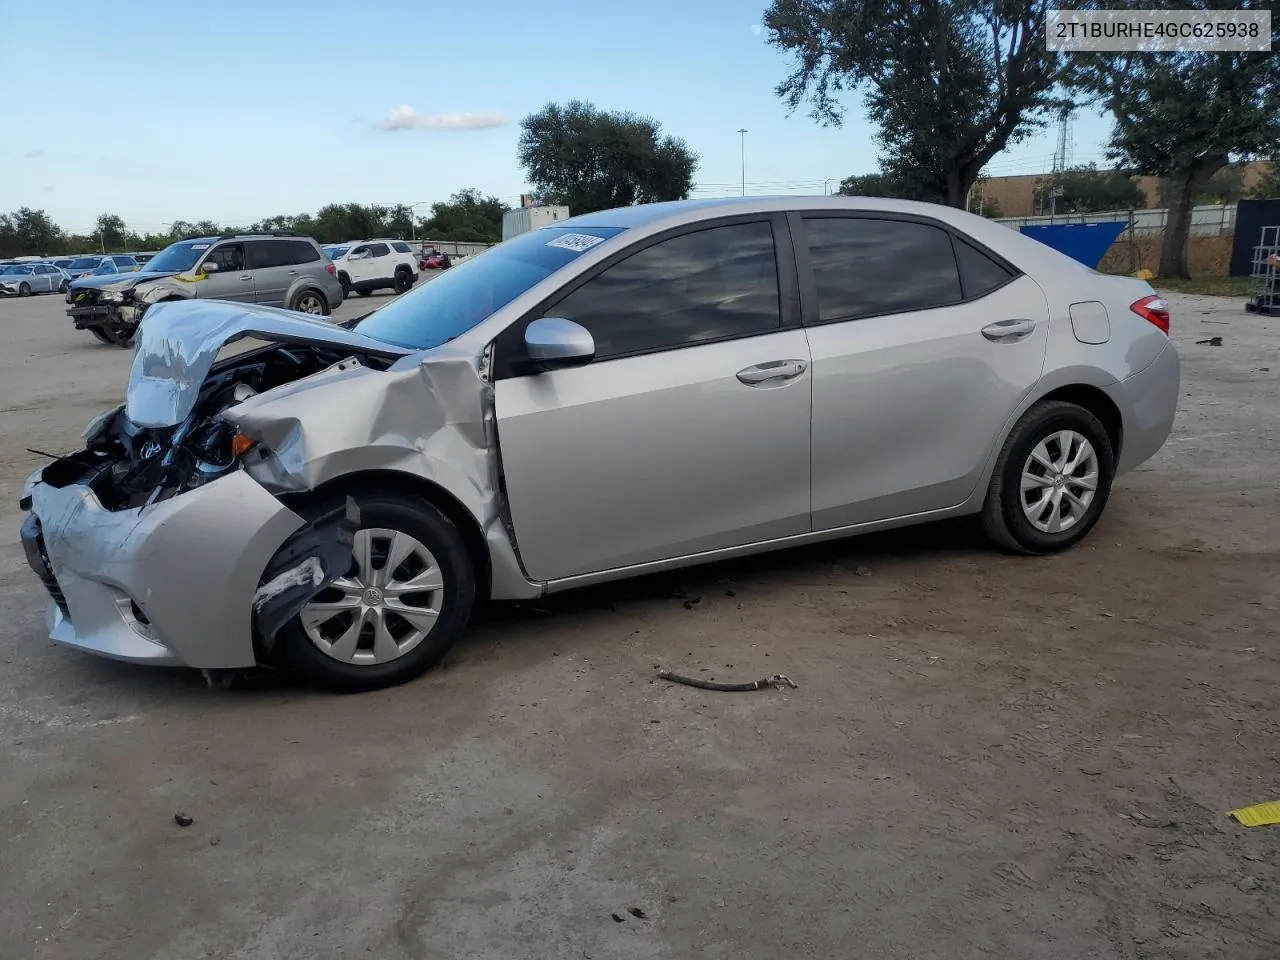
(1062, 157)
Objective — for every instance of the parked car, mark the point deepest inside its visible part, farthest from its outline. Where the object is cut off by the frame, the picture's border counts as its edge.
(25, 279)
(621, 393)
(101, 265)
(369, 265)
(435, 260)
(142, 258)
(63, 263)
(335, 250)
(274, 269)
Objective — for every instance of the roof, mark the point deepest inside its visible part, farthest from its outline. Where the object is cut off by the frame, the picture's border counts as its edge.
(676, 212)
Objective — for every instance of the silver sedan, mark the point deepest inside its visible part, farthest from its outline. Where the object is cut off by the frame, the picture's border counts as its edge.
(25, 279)
(621, 393)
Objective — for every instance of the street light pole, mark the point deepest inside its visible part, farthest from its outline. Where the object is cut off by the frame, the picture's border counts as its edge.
(742, 146)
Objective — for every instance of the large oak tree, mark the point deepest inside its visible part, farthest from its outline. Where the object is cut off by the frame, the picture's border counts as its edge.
(948, 83)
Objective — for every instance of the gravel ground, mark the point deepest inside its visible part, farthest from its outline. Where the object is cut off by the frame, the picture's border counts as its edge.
(986, 755)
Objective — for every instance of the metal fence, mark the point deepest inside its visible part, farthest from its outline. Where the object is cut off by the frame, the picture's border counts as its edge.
(455, 248)
(1213, 220)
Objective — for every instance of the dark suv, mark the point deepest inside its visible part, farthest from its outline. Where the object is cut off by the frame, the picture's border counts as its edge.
(279, 270)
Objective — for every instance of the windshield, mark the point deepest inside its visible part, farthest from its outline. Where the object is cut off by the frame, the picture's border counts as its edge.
(460, 298)
(178, 257)
(333, 253)
(85, 263)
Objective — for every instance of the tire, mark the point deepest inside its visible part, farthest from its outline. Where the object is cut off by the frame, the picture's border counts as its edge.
(102, 336)
(364, 291)
(65, 287)
(403, 281)
(300, 656)
(345, 281)
(1007, 513)
(310, 301)
(24, 289)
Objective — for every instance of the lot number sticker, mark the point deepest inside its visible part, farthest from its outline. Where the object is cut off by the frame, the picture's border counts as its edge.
(575, 241)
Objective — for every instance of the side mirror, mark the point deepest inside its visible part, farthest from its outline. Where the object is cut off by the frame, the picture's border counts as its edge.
(553, 342)
(209, 266)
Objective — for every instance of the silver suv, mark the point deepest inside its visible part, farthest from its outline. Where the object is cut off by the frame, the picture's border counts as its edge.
(277, 270)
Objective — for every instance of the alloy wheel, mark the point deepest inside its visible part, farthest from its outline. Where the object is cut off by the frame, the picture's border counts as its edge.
(386, 605)
(310, 303)
(1059, 479)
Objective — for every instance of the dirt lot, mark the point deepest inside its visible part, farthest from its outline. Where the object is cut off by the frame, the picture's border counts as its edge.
(986, 755)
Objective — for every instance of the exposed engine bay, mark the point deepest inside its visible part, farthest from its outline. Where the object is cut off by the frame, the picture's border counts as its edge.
(128, 465)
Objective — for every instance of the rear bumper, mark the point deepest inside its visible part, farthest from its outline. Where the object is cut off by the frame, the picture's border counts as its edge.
(169, 584)
(1148, 402)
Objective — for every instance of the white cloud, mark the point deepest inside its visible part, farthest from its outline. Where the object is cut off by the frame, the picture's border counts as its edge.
(756, 29)
(407, 118)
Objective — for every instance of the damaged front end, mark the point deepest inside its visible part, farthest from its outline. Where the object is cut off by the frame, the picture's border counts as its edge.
(153, 541)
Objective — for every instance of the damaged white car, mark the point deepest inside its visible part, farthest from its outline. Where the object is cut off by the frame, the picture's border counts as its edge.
(617, 394)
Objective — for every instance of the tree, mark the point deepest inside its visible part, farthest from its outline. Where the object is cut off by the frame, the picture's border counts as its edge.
(1225, 186)
(466, 216)
(875, 185)
(110, 230)
(949, 83)
(1184, 116)
(27, 232)
(1089, 190)
(590, 159)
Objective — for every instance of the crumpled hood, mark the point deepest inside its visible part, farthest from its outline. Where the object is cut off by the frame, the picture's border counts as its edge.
(125, 280)
(178, 343)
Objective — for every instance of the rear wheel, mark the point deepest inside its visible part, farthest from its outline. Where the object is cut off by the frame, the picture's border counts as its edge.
(401, 606)
(404, 281)
(65, 287)
(1051, 481)
(311, 301)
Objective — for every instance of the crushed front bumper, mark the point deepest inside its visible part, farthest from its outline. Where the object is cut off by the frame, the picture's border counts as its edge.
(90, 316)
(171, 583)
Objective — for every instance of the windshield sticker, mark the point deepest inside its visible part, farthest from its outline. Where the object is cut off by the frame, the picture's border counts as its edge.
(575, 241)
(201, 246)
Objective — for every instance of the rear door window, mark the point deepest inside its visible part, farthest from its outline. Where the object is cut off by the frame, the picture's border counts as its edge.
(979, 274)
(865, 267)
(379, 249)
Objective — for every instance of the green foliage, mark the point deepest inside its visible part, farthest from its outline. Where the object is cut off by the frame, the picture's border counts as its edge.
(1090, 190)
(591, 159)
(1225, 186)
(1184, 116)
(949, 83)
(465, 216)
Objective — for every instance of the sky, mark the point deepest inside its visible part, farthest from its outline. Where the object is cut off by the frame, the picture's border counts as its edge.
(235, 111)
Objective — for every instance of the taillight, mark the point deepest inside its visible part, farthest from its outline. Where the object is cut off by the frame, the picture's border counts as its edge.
(1154, 309)
(331, 269)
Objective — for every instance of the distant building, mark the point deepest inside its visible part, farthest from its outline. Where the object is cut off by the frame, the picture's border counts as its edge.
(1015, 196)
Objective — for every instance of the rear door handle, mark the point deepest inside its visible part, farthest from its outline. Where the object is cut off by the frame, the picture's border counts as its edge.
(773, 370)
(1008, 330)
(293, 273)
(246, 277)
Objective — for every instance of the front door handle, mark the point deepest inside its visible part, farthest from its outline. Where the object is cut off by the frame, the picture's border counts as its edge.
(1005, 331)
(773, 370)
(246, 277)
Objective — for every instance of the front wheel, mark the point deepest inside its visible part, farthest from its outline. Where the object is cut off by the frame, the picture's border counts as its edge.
(403, 603)
(345, 281)
(24, 289)
(1051, 481)
(101, 335)
(309, 301)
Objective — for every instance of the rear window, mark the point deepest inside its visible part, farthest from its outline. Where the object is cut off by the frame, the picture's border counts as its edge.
(401, 248)
(302, 252)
